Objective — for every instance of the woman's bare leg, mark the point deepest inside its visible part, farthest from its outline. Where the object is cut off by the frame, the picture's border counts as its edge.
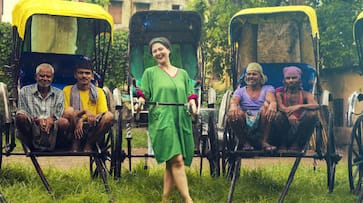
(168, 182)
(180, 178)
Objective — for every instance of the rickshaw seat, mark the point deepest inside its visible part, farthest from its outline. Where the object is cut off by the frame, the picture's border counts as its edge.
(182, 56)
(63, 64)
(275, 77)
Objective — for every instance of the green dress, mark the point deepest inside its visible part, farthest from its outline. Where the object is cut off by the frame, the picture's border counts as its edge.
(170, 127)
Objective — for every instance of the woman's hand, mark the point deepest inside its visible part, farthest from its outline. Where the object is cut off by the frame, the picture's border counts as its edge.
(192, 107)
(139, 104)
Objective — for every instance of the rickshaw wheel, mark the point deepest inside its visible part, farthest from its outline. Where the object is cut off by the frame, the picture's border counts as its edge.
(1, 140)
(332, 158)
(319, 139)
(355, 157)
(213, 155)
(229, 162)
(7, 138)
(107, 148)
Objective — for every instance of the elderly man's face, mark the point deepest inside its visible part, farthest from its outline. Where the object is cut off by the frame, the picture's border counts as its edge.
(44, 77)
(253, 78)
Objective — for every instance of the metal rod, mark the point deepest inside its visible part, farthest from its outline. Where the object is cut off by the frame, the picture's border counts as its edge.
(234, 179)
(166, 104)
(40, 173)
(290, 179)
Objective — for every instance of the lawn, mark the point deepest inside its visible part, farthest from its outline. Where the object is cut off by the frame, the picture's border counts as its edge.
(20, 183)
(261, 181)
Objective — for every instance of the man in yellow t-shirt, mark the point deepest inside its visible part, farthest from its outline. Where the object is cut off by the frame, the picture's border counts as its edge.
(86, 103)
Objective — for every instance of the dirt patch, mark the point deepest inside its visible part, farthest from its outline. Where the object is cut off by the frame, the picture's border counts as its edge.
(69, 162)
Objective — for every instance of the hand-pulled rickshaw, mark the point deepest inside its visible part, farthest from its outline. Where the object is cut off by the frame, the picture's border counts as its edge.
(355, 120)
(276, 37)
(59, 33)
(183, 29)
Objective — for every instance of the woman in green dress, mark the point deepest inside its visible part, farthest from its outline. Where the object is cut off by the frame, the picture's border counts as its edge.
(170, 126)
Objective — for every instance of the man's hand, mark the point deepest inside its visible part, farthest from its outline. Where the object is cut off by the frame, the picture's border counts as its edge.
(78, 131)
(292, 109)
(91, 118)
(234, 112)
(271, 111)
(293, 120)
(46, 124)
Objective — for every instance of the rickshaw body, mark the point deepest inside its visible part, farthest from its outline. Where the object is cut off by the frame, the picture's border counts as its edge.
(277, 37)
(183, 29)
(354, 120)
(60, 33)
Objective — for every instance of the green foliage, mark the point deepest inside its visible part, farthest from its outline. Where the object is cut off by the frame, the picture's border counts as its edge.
(216, 15)
(6, 44)
(335, 18)
(215, 38)
(115, 75)
(99, 2)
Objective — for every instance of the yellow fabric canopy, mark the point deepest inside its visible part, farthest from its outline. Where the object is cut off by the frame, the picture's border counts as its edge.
(26, 8)
(357, 20)
(308, 11)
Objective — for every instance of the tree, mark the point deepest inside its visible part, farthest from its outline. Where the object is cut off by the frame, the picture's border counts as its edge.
(6, 43)
(99, 2)
(216, 16)
(335, 18)
(116, 73)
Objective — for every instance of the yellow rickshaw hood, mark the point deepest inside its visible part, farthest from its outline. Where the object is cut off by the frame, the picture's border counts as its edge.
(26, 8)
(308, 11)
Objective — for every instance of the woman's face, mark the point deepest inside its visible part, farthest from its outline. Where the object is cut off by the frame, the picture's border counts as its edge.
(160, 53)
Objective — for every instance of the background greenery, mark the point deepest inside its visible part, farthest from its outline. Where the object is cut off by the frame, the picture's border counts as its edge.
(335, 19)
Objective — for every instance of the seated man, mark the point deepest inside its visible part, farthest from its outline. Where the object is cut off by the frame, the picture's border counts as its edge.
(297, 108)
(252, 109)
(38, 118)
(86, 104)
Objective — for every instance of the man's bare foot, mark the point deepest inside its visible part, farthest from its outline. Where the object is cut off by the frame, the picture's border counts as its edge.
(75, 146)
(87, 148)
(294, 147)
(268, 148)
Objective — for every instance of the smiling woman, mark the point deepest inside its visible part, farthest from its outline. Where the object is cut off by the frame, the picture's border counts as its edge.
(170, 126)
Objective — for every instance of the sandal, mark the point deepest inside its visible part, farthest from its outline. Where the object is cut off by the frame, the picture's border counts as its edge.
(247, 147)
(269, 148)
(294, 147)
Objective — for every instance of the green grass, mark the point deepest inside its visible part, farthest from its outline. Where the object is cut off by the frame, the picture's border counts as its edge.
(20, 183)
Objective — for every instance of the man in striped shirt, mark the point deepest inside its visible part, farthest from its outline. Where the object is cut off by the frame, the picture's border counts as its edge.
(40, 108)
